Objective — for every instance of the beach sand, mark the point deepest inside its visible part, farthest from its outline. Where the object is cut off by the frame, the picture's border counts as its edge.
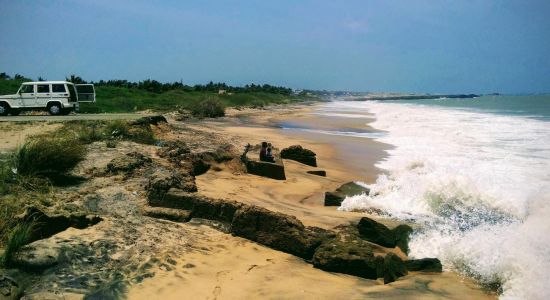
(234, 268)
(195, 261)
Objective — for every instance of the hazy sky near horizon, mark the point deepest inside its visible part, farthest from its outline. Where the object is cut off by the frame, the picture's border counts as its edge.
(445, 46)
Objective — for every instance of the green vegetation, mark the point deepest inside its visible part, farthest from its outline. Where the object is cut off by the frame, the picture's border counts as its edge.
(27, 174)
(46, 156)
(18, 237)
(209, 108)
(117, 96)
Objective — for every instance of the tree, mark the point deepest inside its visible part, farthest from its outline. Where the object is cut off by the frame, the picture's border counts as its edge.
(3, 75)
(75, 79)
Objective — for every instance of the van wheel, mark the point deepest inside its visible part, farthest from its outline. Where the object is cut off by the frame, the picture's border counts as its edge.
(15, 112)
(4, 109)
(54, 109)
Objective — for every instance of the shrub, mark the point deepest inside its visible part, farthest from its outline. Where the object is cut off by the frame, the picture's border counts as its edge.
(209, 108)
(48, 157)
(18, 237)
(117, 129)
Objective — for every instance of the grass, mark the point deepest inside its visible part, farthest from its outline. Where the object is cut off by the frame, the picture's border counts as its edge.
(47, 157)
(116, 99)
(18, 237)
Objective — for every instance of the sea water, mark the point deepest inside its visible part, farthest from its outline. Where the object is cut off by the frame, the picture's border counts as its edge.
(475, 174)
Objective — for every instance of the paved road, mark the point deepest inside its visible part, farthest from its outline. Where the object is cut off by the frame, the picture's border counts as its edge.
(73, 117)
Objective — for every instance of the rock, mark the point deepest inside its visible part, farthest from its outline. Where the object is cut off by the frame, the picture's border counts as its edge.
(276, 230)
(424, 264)
(394, 267)
(380, 234)
(150, 120)
(127, 163)
(402, 233)
(170, 214)
(334, 198)
(345, 190)
(271, 170)
(352, 189)
(163, 180)
(300, 154)
(199, 163)
(46, 226)
(175, 151)
(202, 161)
(349, 254)
(342, 256)
(200, 206)
(322, 173)
(9, 288)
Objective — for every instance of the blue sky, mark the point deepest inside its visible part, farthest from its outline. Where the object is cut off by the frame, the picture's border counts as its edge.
(432, 46)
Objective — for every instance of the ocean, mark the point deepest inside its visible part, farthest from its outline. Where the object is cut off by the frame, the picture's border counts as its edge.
(475, 174)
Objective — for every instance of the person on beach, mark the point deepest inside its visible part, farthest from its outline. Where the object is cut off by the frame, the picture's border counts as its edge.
(263, 152)
(269, 156)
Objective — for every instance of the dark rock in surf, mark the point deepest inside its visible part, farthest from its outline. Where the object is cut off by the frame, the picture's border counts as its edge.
(300, 154)
(334, 198)
(380, 234)
(349, 189)
(424, 265)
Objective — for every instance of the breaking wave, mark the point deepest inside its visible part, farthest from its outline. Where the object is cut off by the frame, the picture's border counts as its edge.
(477, 182)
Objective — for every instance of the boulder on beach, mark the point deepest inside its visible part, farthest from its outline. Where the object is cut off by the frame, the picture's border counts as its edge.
(299, 154)
(348, 253)
(424, 265)
(276, 230)
(321, 173)
(349, 189)
(380, 234)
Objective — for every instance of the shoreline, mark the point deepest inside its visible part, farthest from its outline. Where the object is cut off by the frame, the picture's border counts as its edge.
(196, 259)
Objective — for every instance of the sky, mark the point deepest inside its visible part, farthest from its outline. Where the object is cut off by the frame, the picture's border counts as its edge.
(431, 46)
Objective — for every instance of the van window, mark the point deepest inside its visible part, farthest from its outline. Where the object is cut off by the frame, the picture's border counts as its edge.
(58, 88)
(28, 88)
(43, 88)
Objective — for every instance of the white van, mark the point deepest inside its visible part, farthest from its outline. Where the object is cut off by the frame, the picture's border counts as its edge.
(57, 97)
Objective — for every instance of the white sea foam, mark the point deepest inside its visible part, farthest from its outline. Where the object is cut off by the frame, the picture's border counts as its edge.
(480, 184)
